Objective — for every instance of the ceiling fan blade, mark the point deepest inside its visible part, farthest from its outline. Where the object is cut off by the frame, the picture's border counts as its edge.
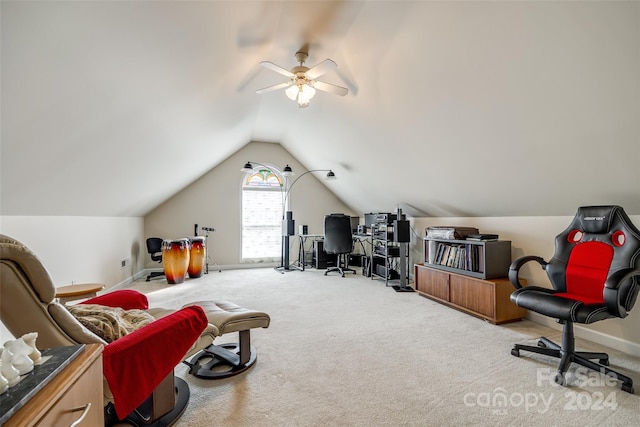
(328, 87)
(276, 68)
(321, 69)
(274, 87)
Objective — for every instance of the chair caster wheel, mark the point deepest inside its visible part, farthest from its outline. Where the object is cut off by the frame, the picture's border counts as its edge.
(628, 388)
(559, 379)
(515, 352)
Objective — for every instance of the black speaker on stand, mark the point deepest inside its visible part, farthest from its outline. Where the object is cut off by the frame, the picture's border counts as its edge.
(288, 227)
(403, 237)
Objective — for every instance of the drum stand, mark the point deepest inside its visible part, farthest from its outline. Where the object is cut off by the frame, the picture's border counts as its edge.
(209, 259)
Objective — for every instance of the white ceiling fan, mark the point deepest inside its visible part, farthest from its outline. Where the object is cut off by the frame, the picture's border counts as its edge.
(302, 83)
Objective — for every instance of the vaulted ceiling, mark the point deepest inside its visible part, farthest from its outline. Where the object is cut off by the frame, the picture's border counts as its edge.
(454, 108)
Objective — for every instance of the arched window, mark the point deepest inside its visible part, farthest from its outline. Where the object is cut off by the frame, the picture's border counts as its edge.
(262, 200)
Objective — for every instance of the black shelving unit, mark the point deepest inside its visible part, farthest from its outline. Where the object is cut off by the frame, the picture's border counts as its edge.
(389, 258)
(483, 259)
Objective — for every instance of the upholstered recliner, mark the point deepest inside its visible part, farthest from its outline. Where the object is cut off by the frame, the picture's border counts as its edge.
(138, 368)
(595, 275)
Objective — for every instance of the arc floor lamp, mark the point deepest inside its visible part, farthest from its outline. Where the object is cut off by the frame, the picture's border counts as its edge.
(288, 223)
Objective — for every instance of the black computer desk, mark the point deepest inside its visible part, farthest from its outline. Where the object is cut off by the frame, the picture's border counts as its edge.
(302, 239)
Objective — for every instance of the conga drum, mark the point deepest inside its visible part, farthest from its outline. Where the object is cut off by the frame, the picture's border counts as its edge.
(175, 258)
(197, 257)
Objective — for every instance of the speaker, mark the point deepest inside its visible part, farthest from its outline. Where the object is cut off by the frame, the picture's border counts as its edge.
(355, 260)
(401, 231)
(288, 225)
(303, 230)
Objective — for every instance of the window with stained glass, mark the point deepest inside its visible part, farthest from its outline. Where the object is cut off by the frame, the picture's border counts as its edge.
(262, 199)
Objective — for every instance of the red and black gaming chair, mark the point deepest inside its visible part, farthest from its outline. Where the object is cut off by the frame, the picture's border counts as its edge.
(595, 274)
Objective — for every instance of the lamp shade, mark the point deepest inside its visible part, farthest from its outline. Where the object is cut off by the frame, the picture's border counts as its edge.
(292, 92)
(307, 91)
(302, 93)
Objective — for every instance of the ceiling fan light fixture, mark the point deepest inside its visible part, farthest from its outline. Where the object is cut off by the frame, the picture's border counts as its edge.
(303, 82)
(292, 92)
(303, 101)
(307, 91)
(301, 93)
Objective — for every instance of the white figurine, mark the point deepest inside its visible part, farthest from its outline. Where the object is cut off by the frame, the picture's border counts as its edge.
(30, 340)
(4, 384)
(11, 374)
(20, 360)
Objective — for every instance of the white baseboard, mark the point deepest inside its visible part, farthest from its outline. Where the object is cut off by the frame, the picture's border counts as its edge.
(245, 266)
(212, 269)
(597, 337)
(128, 281)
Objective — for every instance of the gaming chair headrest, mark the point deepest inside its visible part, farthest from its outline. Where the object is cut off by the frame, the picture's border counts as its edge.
(607, 224)
(596, 219)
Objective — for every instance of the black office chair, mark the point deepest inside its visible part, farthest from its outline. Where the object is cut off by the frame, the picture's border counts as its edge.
(595, 274)
(154, 247)
(338, 240)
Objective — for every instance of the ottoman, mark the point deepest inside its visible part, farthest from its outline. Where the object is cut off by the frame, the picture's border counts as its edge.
(225, 360)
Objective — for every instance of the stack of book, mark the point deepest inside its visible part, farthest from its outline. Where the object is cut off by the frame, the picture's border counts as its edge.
(460, 256)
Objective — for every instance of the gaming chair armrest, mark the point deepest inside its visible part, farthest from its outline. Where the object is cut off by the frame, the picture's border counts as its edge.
(611, 288)
(515, 267)
(127, 299)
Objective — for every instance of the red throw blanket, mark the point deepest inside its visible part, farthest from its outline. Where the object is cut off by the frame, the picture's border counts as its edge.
(135, 364)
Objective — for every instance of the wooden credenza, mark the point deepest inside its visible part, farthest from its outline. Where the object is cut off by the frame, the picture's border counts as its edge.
(77, 391)
(487, 299)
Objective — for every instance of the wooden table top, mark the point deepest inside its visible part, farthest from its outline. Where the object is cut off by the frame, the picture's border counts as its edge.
(78, 290)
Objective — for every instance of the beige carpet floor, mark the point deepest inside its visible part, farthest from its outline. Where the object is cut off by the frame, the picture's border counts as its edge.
(352, 352)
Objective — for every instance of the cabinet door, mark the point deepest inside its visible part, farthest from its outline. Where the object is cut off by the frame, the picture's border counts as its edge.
(87, 389)
(473, 294)
(432, 282)
(506, 311)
